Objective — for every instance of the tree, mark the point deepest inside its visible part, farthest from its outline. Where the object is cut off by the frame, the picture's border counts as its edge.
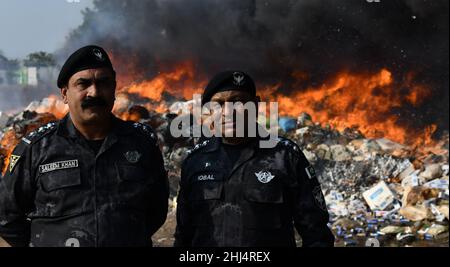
(39, 59)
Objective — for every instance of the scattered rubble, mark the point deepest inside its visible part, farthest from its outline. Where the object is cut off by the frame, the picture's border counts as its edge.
(378, 188)
(379, 197)
(374, 188)
(16, 128)
(432, 171)
(51, 104)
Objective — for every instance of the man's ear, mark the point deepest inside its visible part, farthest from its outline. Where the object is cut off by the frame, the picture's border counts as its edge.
(64, 94)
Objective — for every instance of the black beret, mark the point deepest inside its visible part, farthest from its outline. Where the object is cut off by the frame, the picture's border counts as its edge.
(88, 57)
(232, 80)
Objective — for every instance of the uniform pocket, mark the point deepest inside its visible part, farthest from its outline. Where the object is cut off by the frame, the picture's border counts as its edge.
(205, 194)
(134, 186)
(61, 194)
(264, 186)
(264, 193)
(263, 208)
(60, 179)
(132, 173)
(208, 191)
(206, 186)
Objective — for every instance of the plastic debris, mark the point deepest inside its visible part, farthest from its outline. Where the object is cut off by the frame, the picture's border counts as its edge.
(379, 197)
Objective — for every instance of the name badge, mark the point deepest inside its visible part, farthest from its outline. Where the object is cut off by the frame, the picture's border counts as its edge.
(206, 177)
(61, 165)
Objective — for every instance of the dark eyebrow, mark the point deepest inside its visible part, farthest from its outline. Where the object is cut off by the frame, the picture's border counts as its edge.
(104, 78)
(231, 99)
(238, 99)
(234, 99)
(216, 100)
(82, 80)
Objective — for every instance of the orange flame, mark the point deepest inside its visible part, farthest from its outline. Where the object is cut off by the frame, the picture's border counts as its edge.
(179, 83)
(54, 105)
(364, 101)
(7, 144)
(348, 100)
(13, 136)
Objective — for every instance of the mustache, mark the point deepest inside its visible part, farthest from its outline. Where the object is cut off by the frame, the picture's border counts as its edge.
(93, 102)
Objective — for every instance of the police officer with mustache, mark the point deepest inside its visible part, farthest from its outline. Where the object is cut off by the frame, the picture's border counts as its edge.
(90, 179)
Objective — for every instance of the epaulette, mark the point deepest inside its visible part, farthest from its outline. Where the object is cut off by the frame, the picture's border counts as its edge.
(198, 147)
(290, 145)
(29, 139)
(39, 133)
(146, 131)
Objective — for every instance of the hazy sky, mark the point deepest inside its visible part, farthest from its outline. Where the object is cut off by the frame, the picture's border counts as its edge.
(37, 25)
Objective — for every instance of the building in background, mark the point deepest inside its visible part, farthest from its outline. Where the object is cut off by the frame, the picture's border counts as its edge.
(9, 71)
(37, 69)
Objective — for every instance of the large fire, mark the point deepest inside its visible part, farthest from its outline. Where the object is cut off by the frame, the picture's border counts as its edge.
(349, 100)
(179, 83)
(364, 101)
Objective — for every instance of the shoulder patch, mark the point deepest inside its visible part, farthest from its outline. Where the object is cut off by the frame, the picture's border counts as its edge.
(198, 147)
(13, 159)
(147, 131)
(310, 172)
(319, 198)
(39, 133)
(290, 145)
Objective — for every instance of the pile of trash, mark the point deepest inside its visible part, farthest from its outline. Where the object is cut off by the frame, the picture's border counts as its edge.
(377, 189)
(14, 128)
(378, 192)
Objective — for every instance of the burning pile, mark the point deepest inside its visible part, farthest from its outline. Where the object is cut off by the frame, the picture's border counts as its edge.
(375, 103)
(381, 175)
(374, 83)
(18, 127)
(379, 188)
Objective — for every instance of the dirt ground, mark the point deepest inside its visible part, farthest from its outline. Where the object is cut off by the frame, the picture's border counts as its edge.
(165, 235)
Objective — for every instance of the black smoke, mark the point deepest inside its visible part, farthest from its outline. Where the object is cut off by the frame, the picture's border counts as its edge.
(272, 39)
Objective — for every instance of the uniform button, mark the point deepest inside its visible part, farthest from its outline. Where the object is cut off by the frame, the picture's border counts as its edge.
(73, 242)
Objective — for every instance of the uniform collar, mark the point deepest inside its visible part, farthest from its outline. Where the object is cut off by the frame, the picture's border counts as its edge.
(216, 142)
(247, 153)
(119, 128)
(66, 127)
